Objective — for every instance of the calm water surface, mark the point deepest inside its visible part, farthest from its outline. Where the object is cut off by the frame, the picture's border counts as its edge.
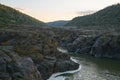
(96, 69)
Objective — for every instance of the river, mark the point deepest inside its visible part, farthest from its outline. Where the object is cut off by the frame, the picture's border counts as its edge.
(90, 69)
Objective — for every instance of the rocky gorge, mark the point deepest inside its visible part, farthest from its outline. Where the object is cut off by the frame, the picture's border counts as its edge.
(33, 50)
(29, 53)
(98, 43)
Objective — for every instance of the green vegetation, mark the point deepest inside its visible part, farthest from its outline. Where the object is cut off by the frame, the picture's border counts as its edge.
(10, 16)
(107, 17)
(34, 42)
(30, 51)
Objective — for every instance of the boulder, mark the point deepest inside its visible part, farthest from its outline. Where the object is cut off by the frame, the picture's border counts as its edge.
(14, 67)
(107, 46)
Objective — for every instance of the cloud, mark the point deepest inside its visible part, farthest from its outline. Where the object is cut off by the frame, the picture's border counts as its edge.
(82, 13)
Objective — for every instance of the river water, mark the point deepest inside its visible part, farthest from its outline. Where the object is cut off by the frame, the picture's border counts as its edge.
(90, 69)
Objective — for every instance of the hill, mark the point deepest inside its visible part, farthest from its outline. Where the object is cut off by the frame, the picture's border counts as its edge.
(10, 16)
(57, 23)
(109, 16)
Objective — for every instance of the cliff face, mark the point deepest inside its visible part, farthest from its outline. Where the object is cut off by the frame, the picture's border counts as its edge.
(40, 48)
(107, 46)
(98, 43)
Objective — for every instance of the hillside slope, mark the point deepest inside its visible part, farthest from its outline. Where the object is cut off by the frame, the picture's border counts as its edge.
(109, 16)
(10, 16)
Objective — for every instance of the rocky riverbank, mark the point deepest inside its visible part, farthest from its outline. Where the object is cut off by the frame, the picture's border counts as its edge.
(29, 53)
(22, 46)
(98, 43)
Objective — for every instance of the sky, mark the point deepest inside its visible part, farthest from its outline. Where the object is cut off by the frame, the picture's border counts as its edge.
(51, 10)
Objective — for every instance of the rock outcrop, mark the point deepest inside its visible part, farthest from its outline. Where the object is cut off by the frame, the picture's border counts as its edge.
(97, 43)
(107, 46)
(40, 48)
(49, 66)
(14, 67)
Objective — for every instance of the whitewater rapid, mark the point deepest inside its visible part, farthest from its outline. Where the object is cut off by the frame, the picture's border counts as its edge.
(56, 76)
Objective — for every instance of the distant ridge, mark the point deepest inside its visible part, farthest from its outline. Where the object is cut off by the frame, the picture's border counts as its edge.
(109, 16)
(10, 16)
(58, 23)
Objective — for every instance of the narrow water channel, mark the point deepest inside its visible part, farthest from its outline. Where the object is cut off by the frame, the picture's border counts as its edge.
(90, 69)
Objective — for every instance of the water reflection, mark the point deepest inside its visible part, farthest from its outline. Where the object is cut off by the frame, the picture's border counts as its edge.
(92, 68)
(96, 69)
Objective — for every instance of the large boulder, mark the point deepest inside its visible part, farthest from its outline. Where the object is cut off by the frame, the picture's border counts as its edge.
(82, 44)
(107, 46)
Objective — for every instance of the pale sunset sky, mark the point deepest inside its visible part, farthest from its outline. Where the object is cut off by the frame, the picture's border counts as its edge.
(51, 10)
